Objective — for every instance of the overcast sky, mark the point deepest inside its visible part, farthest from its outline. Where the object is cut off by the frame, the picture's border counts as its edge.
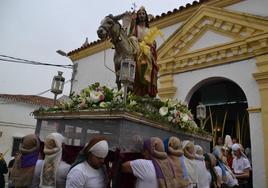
(35, 30)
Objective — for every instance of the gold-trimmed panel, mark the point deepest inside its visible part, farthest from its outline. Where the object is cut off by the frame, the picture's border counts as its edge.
(254, 109)
(166, 89)
(236, 51)
(261, 76)
(236, 25)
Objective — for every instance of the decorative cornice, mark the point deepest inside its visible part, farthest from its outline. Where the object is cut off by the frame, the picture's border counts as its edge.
(186, 13)
(249, 33)
(259, 76)
(166, 89)
(262, 79)
(254, 109)
(90, 51)
(238, 50)
(235, 25)
(167, 92)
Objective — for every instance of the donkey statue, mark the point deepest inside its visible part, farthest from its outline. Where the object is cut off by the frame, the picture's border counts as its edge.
(124, 47)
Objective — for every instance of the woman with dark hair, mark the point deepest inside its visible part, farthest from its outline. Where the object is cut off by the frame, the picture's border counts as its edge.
(214, 179)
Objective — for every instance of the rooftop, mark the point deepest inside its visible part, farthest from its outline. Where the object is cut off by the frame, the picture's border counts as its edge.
(156, 18)
(30, 99)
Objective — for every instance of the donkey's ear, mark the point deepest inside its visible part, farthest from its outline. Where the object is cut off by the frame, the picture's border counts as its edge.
(110, 16)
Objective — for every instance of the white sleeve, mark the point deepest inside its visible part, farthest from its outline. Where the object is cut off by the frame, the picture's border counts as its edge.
(75, 179)
(218, 170)
(141, 168)
(246, 164)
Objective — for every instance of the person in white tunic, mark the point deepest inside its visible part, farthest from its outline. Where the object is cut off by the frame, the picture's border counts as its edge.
(241, 166)
(89, 171)
(155, 171)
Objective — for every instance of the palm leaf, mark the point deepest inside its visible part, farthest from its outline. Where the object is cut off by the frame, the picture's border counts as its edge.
(223, 124)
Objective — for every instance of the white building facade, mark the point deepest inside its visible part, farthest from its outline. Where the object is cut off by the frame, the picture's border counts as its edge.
(16, 119)
(210, 40)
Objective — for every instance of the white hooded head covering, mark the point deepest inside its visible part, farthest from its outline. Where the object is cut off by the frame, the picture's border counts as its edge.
(228, 141)
(100, 149)
(236, 147)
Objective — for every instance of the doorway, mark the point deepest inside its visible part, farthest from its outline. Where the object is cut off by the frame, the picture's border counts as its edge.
(226, 109)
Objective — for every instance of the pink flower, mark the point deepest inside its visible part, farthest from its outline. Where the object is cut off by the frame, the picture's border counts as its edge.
(101, 97)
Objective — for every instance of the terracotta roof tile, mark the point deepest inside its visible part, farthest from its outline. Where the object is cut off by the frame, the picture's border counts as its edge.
(30, 99)
(181, 8)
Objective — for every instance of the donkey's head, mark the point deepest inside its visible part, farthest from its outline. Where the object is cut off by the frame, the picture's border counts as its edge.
(106, 29)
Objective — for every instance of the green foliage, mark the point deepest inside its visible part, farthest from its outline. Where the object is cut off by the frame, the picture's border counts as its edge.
(172, 113)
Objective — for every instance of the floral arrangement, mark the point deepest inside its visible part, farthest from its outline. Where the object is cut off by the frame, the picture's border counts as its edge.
(170, 112)
(178, 113)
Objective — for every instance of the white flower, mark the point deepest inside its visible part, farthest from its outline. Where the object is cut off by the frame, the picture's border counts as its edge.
(170, 118)
(96, 96)
(184, 117)
(172, 103)
(132, 103)
(163, 111)
(118, 99)
(173, 111)
(121, 91)
(185, 104)
(103, 104)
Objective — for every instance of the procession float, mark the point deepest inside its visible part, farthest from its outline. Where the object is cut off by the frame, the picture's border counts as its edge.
(124, 115)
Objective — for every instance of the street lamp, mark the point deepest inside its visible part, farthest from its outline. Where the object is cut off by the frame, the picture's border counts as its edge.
(127, 74)
(57, 85)
(201, 113)
(61, 53)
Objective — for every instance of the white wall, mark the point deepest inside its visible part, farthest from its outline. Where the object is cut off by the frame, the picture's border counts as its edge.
(92, 69)
(214, 37)
(15, 121)
(167, 31)
(241, 74)
(256, 7)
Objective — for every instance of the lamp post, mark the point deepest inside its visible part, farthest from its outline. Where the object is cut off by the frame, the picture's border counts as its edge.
(127, 74)
(57, 85)
(201, 113)
(62, 53)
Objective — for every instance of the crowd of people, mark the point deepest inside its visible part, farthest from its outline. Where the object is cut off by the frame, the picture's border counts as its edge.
(167, 163)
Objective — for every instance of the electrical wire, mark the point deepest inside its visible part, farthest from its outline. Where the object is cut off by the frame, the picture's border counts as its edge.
(25, 61)
(39, 94)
